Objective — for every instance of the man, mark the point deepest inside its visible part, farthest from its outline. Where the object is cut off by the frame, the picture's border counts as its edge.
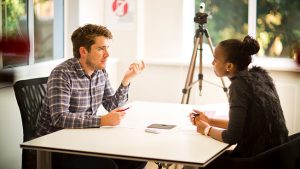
(75, 90)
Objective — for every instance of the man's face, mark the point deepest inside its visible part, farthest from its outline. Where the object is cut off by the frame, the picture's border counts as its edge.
(97, 56)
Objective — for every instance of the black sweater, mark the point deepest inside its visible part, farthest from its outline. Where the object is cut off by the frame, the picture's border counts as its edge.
(256, 121)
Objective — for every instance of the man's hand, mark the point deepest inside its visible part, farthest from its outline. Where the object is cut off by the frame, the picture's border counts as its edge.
(134, 69)
(113, 118)
(196, 116)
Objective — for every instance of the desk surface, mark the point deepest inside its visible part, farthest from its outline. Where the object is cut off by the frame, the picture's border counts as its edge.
(129, 140)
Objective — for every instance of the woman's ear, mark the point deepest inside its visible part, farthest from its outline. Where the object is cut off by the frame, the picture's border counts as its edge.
(229, 67)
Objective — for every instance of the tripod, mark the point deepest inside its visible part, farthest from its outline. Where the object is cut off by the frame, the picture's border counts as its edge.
(201, 19)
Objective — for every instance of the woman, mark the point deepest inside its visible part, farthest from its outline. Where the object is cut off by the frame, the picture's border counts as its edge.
(256, 122)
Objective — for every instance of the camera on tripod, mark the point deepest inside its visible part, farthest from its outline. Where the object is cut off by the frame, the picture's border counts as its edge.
(201, 16)
(201, 19)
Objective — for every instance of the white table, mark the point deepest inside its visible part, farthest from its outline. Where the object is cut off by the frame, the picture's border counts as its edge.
(180, 145)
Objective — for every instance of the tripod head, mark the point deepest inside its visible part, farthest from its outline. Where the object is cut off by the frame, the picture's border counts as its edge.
(201, 16)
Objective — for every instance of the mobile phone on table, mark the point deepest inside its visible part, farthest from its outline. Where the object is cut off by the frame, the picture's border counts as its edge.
(161, 126)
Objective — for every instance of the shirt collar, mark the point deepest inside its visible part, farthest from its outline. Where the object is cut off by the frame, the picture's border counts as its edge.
(80, 71)
(78, 67)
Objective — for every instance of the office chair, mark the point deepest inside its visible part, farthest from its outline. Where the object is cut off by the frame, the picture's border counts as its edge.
(285, 156)
(29, 95)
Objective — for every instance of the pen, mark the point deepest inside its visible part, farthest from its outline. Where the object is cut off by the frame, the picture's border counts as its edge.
(123, 109)
(195, 114)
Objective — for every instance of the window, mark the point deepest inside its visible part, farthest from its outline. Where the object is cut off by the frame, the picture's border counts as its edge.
(41, 21)
(226, 19)
(276, 26)
(14, 22)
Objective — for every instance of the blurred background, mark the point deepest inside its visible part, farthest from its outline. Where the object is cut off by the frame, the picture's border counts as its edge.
(276, 23)
(164, 40)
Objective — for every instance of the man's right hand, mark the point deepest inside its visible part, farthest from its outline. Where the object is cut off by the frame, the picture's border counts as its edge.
(113, 118)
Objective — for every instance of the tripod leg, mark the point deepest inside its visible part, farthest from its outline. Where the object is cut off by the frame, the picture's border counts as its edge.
(200, 75)
(189, 78)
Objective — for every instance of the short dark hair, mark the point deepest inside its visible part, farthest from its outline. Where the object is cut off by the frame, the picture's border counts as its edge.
(239, 52)
(85, 36)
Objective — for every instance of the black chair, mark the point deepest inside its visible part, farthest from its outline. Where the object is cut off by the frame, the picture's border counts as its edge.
(29, 95)
(285, 156)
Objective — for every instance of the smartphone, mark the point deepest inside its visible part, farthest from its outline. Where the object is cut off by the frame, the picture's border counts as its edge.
(161, 126)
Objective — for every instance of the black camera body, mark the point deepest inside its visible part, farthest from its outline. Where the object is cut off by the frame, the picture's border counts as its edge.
(200, 18)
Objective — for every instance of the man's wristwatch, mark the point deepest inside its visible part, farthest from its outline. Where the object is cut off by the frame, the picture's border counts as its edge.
(206, 130)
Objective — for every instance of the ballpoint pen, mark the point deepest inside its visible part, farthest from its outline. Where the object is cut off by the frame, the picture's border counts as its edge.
(123, 109)
(195, 114)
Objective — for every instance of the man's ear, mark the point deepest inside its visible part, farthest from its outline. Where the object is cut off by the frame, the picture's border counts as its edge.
(82, 51)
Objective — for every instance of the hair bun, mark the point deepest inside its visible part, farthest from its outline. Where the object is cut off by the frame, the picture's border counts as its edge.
(250, 46)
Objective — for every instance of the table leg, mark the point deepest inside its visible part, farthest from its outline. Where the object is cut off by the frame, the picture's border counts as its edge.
(44, 159)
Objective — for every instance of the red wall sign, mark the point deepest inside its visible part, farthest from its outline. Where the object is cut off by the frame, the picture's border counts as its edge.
(120, 7)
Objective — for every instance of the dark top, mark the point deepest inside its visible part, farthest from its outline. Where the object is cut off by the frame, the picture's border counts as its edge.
(256, 121)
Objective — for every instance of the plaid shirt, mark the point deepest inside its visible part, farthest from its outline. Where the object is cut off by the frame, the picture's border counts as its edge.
(73, 98)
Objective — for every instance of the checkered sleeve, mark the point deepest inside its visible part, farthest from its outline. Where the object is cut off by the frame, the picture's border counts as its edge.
(113, 100)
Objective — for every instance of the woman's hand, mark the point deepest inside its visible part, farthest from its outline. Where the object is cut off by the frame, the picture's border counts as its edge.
(201, 126)
(196, 116)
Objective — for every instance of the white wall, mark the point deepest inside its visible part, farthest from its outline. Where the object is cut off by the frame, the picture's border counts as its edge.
(10, 131)
(161, 39)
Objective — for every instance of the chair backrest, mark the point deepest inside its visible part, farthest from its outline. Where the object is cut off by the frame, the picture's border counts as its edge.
(29, 94)
(285, 156)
